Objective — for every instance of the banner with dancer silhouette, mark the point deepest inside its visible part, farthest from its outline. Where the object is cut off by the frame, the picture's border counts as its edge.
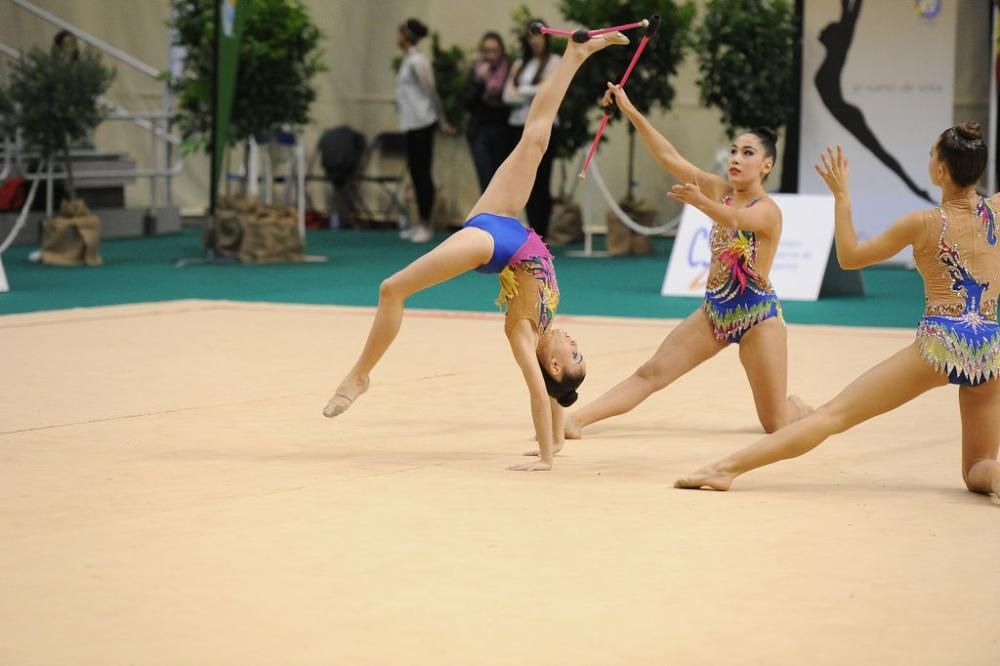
(878, 78)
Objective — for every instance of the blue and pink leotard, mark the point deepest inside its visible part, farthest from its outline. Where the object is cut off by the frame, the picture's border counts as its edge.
(528, 286)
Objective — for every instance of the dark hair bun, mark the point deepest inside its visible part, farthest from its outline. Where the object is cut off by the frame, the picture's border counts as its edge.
(567, 399)
(416, 28)
(766, 133)
(970, 131)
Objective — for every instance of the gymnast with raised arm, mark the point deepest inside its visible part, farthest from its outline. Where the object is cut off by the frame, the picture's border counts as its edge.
(958, 340)
(493, 241)
(740, 304)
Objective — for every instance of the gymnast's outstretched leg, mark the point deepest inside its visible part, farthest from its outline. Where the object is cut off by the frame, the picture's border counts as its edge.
(469, 248)
(464, 251)
(891, 383)
(689, 345)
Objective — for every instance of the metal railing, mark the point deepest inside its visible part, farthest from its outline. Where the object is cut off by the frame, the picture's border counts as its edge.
(100, 45)
(156, 123)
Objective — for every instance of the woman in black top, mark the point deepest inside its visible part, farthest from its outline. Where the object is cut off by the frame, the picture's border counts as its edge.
(489, 133)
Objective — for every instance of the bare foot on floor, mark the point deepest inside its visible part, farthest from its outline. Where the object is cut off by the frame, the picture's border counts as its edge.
(995, 495)
(349, 390)
(706, 477)
(571, 430)
(802, 409)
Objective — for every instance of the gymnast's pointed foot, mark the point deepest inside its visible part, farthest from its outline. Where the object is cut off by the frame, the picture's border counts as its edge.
(712, 477)
(595, 44)
(349, 390)
(995, 495)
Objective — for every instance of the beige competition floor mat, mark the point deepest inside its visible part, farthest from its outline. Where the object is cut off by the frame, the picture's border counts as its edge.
(170, 494)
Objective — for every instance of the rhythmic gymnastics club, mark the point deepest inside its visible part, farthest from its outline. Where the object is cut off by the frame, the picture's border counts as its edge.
(654, 23)
(582, 35)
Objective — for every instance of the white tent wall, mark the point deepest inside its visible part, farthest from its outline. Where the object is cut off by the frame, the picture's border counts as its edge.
(358, 88)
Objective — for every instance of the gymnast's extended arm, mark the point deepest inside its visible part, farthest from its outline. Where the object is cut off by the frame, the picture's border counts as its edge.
(852, 254)
(524, 342)
(662, 149)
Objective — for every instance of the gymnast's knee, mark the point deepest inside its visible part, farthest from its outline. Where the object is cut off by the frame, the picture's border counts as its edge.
(970, 484)
(779, 418)
(649, 373)
(536, 137)
(391, 290)
(830, 419)
(771, 423)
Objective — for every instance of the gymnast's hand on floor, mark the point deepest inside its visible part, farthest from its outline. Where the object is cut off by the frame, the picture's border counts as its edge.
(537, 466)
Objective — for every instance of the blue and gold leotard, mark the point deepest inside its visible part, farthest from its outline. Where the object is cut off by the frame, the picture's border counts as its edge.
(737, 297)
(960, 264)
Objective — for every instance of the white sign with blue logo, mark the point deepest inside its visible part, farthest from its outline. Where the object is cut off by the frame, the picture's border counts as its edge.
(797, 273)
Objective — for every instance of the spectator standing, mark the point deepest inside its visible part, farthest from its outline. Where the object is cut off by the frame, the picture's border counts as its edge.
(420, 113)
(536, 63)
(489, 131)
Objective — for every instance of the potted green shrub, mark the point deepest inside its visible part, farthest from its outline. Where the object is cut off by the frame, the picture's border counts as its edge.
(279, 57)
(746, 56)
(53, 103)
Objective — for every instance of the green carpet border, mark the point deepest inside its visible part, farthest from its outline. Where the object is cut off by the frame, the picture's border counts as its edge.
(142, 270)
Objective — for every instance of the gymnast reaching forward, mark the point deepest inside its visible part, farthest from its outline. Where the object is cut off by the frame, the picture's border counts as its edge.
(493, 241)
(958, 339)
(740, 304)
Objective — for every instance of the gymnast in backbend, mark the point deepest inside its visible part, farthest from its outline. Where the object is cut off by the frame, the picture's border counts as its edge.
(493, 241)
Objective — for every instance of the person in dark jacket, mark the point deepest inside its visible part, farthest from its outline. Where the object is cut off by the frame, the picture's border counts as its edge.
(489, 133)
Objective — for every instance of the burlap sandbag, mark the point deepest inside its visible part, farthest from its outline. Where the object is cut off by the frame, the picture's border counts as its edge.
(271, 236)
(228, 229)
(566, 225)
(622, 241)
(254, 233)
(72, 238)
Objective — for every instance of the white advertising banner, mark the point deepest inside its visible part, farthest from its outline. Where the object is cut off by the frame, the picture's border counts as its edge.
(877, 78)
(797, 273)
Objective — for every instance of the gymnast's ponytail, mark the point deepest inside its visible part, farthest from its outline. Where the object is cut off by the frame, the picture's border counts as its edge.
(568, 399)
(768, 139)
(564, 388)
(962, 148)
